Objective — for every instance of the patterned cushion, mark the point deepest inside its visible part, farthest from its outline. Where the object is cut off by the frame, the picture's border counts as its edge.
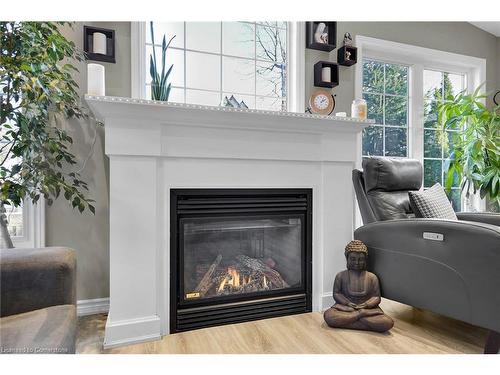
(432, 203)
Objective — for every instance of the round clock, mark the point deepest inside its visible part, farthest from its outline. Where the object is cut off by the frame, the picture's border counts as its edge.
(322, 102)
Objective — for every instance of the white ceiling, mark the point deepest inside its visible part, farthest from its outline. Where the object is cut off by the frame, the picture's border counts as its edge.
(491, 27)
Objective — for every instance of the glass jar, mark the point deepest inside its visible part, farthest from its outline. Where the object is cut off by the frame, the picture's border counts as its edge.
(359, 109)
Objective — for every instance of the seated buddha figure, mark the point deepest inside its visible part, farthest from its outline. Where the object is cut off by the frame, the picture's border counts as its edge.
(357, 295)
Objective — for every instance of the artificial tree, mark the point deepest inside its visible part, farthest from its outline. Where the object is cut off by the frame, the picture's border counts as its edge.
(475, 157)
(36, 90)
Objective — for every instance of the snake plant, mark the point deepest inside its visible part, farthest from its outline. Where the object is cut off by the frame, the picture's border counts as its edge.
(160, 88)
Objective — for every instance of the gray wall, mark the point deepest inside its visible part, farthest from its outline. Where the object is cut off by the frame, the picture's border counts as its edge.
(89, 235)
(457, 37)
(86, 233)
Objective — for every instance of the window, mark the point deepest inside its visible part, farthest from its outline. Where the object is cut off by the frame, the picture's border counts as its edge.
(438, 86)
(403, 86)
(218, 60)
(15, 221)
(385, 89)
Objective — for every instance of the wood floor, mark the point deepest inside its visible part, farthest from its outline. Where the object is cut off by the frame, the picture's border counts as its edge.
(415, 331)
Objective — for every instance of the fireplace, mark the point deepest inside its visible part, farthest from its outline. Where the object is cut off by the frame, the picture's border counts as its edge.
(239, 255)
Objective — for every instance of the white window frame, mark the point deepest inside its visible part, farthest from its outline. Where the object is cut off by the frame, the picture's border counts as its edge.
(33, 226)
(418, 59)
(295, 63)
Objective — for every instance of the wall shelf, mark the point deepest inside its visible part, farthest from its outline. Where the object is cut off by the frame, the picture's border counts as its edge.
(345, 51)
(88, 46)
(331, 30)
(334, 78)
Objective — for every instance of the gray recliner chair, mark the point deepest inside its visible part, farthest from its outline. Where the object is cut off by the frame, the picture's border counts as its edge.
(445, 266)
(38, 301)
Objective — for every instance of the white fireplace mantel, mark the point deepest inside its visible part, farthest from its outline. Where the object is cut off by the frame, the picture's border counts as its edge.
(155, 146)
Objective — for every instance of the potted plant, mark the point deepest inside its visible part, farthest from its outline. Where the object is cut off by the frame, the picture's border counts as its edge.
(37, 88)
(475, 155)
(160, 87)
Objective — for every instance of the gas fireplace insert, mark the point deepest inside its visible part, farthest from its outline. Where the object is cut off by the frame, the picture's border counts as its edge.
(239, 255)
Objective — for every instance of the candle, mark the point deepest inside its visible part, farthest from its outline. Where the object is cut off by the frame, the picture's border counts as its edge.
(359, 109)
(99, 40)
(326, 74)
(95, 80)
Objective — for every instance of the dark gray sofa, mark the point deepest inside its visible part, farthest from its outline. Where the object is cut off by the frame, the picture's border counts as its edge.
(38, 300)
(458, 276)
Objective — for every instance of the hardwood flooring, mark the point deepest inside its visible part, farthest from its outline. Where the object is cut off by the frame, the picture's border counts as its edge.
(414, 332)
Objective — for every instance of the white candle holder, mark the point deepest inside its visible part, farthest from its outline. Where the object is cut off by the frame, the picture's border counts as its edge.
(96, 80)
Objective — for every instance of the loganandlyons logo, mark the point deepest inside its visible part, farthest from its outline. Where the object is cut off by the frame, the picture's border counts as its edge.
(32, 350)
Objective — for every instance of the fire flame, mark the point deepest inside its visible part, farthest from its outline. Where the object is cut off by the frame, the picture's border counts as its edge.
(237, 281)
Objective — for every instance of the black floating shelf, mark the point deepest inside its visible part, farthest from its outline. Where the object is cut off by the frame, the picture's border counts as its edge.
(331, 29)
(88, 44)
(334, 69)
(347, 55)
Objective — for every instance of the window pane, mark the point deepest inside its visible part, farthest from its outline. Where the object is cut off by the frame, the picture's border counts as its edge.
(238, 39)
(395, 142)
(453, 84)
(372, 141)
(451, 142)
(270, 43)
(432, 172)
(202, 71)
(238, 75)
(173, 56)
(396, 108)
(280, 24)
(271, 79)
(203, 36)
(15, 221)
(432, 149)
(455, 198)
(169, 29)
(202, 97)
(456, 180)
(271, 104)
(396, 79)
(432, 85)
(430, 114)
(375, 107)
(373, 76)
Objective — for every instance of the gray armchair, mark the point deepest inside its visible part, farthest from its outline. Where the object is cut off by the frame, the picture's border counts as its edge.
(445, 266)
(38, 301)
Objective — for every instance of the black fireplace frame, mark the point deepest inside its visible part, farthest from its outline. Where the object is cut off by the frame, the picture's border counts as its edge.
(231, 203)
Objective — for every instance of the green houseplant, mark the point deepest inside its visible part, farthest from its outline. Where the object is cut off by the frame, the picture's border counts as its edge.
(37, 89)
(475, 156)
(160, 87)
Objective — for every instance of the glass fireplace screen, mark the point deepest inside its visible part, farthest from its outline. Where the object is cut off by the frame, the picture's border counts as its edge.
(234, 256)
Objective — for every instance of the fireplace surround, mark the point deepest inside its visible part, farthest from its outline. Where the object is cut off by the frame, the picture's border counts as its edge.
(239, 255)
(154, 147)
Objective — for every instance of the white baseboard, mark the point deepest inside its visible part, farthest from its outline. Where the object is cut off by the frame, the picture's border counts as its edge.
(92, 306)
(326, 301)
(132, 331)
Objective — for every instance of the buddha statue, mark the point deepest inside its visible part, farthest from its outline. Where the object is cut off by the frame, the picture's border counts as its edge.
(357, 295)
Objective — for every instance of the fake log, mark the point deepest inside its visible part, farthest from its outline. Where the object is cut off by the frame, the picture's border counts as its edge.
(258, 265)
(207, 280)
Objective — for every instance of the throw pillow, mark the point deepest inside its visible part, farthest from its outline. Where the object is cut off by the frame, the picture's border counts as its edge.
(432, 203)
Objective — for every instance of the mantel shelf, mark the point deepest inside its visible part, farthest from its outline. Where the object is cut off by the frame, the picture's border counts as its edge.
(106, 107)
